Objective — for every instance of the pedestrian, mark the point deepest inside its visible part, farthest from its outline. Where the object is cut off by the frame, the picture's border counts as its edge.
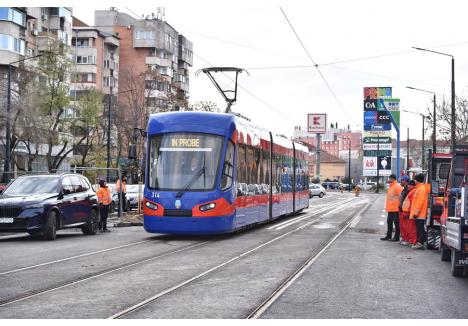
(419, 210)
(104, 200)
(402, 218)
(357, 190)
(410, 226)
(121, 188)
(392, 208)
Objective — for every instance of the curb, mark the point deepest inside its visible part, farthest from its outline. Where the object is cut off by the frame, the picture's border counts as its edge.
(126, 224)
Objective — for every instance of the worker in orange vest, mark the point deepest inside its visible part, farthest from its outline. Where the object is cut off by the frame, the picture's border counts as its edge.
(104, 200)
(402, 218)
(419, 210)
(392, 208)
(410, 235)
(121, 188)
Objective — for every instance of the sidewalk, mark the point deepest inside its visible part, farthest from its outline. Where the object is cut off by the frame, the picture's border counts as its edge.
(360, 276)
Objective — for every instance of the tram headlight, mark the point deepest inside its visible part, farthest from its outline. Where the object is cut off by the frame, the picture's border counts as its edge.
(152, 206)
(207, 207)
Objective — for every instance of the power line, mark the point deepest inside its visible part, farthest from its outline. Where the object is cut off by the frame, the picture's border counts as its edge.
(317, 67)
(250, 93)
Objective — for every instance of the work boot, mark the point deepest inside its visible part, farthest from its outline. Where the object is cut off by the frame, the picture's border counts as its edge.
(404, 243)
(385, 238)
(395, 239)
(417, 246)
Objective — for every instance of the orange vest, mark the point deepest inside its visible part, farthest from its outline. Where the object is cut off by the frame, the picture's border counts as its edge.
(406, 206)
(124, 186)
(420, 202)
(393, 197)
(104, 196)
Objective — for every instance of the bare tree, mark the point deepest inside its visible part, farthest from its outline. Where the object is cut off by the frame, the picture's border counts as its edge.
(444, 118)
(207, 106)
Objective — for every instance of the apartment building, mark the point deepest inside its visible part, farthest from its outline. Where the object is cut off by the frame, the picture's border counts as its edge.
(26, 32)
(153, 48)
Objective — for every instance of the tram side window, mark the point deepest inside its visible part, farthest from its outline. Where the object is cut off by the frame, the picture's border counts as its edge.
(241, 171)
(228, 167)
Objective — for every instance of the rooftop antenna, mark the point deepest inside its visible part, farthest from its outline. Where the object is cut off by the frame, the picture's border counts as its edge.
(230, 95)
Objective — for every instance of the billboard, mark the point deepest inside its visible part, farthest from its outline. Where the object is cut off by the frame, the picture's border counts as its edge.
(377, 140)
(370, 117)
(317, 123)
(375, 146)
(375, 127)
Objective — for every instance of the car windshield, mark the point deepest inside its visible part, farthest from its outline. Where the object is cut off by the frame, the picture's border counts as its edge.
(33, 185)
(184, 161)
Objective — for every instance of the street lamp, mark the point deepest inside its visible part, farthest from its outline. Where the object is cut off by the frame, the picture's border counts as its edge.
(423, 117)
(109, 126)
(6, 169)
(452, 123)
(434, 142)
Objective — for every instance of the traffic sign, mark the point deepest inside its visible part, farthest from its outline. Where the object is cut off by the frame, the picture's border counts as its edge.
(317, 123)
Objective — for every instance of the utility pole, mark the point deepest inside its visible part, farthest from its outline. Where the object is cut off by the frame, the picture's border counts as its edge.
(407, 150)
(109, 101)
(378, 152)
(454, 142)
(423, 148)
(318, 157)
(349, 164)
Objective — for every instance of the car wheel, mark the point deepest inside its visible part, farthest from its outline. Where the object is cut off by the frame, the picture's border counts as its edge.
(321, 195)
(91, 224)
(111, 207)
(444, 252)
(49, 231)
(128, 206)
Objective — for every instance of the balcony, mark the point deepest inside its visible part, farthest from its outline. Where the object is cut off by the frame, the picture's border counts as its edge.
(158, 61)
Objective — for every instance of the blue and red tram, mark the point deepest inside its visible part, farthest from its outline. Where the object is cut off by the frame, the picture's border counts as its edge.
(213, 173)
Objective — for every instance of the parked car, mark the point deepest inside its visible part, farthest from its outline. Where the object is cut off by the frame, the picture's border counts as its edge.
(347, 186)
(132, 195)
(369, 185)
(41, 204)
(331, 185)
(316, 190)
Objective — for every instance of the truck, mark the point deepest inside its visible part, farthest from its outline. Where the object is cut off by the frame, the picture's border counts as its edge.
(438, 173)
(454, 217)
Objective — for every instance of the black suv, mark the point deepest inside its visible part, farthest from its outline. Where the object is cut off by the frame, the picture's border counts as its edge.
(41, 204)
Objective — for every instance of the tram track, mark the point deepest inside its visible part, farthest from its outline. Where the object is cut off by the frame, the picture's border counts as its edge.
(276, 294)
(137, 306)
(121, 267)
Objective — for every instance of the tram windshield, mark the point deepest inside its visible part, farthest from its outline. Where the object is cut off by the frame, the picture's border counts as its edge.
(184, 161)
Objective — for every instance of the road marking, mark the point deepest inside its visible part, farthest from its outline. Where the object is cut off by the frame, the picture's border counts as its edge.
(382, 215)
(381, 223)
(322, 210)
(73, 257)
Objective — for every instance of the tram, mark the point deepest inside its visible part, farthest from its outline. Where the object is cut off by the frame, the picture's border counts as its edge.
(210, 173)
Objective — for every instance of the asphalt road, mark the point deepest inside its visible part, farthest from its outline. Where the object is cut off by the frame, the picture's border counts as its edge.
(228, 276)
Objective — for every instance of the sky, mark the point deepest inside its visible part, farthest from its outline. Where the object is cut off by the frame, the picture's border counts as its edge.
(278, 92)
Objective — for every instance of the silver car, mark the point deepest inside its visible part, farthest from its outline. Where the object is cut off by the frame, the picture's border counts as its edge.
(316, 190)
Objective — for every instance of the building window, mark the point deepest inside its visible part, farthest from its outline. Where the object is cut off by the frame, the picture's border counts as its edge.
(13, 15)
(145, 35)
(81, 42)
(90, 60)
(10, 43)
